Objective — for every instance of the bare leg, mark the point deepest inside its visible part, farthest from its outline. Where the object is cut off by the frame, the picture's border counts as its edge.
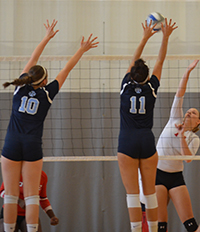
(11, 171)
(148, 169)
(31, 172)
(2, 226)
(162, 197)
(182, 202)
(129, 174)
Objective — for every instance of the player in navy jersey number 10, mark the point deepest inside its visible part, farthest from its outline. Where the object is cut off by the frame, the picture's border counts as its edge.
(136, 147)
(22, 151)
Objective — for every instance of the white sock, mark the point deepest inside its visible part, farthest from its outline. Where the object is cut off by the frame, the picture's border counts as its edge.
(153, 226)
(9, 227)
(32, 227)
(136, 226)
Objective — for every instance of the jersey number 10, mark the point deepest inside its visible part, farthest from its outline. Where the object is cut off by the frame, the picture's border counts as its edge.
(30, 106)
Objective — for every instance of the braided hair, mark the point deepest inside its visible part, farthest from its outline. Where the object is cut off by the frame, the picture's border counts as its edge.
(34, 74)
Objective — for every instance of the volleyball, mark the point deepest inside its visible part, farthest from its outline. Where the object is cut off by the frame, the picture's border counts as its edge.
(156, 18)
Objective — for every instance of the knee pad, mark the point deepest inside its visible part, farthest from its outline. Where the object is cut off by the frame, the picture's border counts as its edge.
(191, 225)
(9, 199)
(151, 201)
(133, 200)
(162, 226)
(32, 200)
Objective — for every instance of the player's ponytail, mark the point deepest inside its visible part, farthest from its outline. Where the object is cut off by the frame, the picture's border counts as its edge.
(139, 72)
(24, 79)
(35, 76)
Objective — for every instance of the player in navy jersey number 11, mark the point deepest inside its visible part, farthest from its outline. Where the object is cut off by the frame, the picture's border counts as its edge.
(22, 151)
(136, 147)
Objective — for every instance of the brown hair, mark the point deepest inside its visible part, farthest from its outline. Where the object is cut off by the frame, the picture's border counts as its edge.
(35, 73)
(139, 72)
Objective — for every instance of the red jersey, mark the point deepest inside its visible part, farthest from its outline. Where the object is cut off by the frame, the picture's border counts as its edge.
(44, 202)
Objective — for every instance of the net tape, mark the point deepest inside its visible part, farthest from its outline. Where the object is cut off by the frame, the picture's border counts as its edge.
(100, 57)
(110, 158)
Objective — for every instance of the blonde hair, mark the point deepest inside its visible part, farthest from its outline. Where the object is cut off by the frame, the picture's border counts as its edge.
(196, 128)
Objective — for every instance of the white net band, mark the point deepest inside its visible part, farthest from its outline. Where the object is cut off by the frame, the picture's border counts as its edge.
(102, 57)
(111, 158)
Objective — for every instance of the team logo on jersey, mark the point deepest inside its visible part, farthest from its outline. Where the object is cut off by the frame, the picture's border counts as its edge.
(32, 93)
(138, 90)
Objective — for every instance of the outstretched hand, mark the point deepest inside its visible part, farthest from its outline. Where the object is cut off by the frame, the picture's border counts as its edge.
(50, 33)
(168, 28)
(193, 65)
(87, 45)
(148, 29)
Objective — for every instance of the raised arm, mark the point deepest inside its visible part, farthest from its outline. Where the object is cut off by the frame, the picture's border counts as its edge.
(166, 30)
(50, 33)
(183, 83)
(85, 46)
(147, 33)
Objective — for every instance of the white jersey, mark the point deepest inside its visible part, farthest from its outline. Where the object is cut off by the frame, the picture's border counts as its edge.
(169, 143)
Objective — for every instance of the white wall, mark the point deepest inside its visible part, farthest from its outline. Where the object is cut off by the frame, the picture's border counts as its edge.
(116, 23)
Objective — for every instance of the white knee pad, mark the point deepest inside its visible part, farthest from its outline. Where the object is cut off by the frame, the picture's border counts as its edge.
(9, 199)
(151, 201)
(133, 200)
(32, 200)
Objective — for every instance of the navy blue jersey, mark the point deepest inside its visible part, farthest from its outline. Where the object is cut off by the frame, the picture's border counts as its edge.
(30, 108)
(137, 103)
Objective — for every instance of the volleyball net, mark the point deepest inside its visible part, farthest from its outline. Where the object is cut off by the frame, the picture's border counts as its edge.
(83, 121)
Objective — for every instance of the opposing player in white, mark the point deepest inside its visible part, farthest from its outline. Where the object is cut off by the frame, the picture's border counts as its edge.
(177, 138)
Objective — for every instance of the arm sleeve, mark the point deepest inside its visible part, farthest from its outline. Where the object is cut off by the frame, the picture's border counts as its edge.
(155, 83)
(126, 79)
(52, 88)
(44, 201)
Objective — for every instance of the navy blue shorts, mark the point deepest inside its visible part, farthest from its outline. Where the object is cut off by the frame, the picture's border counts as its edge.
(18, 147)
(138, 143)
(169, 179)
